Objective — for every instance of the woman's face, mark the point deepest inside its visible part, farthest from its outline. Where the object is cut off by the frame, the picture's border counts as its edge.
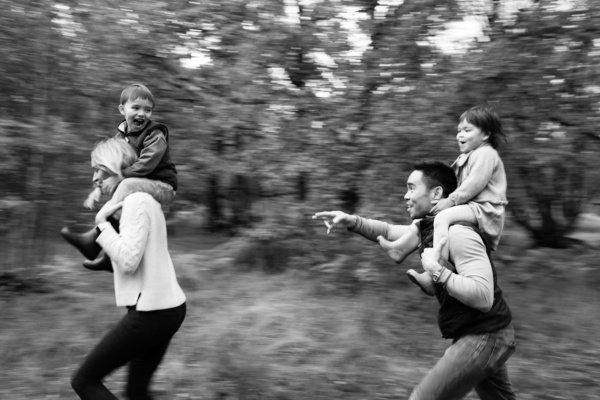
(99, 176)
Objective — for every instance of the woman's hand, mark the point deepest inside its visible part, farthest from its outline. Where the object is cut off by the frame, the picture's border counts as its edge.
(109, 185)
(106, 212)
(92, 198)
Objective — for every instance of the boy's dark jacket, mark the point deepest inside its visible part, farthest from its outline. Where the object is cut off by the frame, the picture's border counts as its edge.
(148, 145)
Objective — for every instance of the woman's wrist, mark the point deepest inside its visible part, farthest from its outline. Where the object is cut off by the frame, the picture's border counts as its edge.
(102, 225)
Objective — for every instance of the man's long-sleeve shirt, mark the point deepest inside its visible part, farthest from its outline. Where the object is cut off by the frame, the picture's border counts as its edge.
(473, 282)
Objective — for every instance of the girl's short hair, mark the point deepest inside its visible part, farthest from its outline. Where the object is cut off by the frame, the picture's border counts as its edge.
(137, 91)
(486, 119)
(113, 155)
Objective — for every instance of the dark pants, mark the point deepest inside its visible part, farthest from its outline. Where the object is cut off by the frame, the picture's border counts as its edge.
(141, 339)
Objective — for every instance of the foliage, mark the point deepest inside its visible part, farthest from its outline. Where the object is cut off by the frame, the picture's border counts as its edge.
(542, 75)
(297, 106)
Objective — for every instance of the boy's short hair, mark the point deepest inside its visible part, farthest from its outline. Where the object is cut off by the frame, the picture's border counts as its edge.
(436, 173)
(137, 91)
(113, 155)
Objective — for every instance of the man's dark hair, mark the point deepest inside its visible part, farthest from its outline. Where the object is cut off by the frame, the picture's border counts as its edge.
(436, 173)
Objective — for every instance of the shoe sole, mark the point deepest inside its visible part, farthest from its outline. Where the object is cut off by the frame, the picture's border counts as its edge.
(416, 282)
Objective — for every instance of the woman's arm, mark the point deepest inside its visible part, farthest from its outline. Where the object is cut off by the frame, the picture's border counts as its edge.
(126, 248)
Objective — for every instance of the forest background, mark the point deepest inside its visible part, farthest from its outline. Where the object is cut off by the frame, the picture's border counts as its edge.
(279, 109)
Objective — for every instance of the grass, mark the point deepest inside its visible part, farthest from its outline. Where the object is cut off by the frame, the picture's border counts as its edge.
(340, 329)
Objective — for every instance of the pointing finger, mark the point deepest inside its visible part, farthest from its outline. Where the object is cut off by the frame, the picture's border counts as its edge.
(324, 214)
(329, 226)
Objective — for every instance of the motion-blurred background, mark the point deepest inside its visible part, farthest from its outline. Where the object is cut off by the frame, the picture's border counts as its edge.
(278, 109)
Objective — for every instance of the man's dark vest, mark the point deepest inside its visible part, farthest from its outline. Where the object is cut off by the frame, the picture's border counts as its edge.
(165, 171)
(456, 319)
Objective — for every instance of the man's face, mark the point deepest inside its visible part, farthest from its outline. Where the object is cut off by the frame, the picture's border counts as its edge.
(418, 197)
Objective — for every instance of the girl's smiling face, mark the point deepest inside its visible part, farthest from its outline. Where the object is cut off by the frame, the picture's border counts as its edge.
(469, 136)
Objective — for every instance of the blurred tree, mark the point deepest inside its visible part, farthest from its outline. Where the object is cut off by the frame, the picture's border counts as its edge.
(542, 76)
(280, 107)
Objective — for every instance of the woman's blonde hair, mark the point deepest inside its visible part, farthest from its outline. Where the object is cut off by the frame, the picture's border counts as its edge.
(113, 155)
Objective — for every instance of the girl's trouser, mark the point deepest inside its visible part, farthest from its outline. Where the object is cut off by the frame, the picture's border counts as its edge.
(472, 362)
(443, 220)
(141, 339)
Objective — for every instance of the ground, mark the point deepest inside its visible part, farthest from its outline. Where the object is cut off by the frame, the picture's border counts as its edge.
(303, 332)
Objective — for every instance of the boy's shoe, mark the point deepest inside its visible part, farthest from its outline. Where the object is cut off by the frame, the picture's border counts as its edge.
(102, 263)
(84, 242)
(423, 280)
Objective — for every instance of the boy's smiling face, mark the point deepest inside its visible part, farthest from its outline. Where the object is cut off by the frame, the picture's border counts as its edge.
(137, 113)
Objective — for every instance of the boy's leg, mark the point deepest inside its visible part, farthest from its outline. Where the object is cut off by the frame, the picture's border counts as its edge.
(447, 217)
(162, 192)
(84, 242)
(102, 262)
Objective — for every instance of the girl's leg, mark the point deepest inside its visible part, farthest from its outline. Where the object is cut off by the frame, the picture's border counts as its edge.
(447, 217)
(399, 249)
(441, 224)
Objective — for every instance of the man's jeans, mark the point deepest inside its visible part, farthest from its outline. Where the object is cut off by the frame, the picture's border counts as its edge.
(472, 362)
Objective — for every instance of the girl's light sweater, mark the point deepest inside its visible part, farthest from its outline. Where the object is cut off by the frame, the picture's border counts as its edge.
(143, 270)
(481, 177)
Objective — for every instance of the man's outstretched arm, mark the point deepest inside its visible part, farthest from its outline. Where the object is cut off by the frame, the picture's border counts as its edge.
(368, 228)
